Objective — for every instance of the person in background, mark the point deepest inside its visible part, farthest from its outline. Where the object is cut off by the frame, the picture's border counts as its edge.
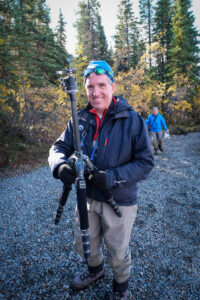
(116, 140)
(155, 122)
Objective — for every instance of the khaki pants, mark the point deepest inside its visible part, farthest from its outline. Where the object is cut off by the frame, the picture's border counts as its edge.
(116, 232)
(156, 139)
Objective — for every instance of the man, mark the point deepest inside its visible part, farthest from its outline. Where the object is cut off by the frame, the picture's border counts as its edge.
(115, 138)
(155, 122)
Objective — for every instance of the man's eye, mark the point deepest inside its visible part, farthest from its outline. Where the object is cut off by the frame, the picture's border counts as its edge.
(102, 85)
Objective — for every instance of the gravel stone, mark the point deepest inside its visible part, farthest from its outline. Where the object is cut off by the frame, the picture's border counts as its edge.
(38, 259)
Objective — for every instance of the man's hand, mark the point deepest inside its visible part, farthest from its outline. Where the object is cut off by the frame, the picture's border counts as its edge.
(67, 174)
(100, 180)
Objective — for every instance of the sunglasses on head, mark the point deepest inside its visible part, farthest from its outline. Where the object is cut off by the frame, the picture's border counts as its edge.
(98, 71)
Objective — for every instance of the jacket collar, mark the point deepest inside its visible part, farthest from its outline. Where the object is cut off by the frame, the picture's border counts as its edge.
(118, 108)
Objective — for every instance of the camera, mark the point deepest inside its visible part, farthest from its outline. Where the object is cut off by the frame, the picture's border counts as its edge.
(69, 83)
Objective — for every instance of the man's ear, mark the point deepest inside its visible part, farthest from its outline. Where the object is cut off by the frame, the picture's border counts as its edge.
(113, 87)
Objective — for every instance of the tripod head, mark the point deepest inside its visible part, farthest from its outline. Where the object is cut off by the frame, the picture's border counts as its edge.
(69, 83)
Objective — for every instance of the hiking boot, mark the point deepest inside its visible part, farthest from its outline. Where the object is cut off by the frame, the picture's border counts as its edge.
(160, 148)
(81, 281)
(156, 151)
(120, 296)
(120, 290)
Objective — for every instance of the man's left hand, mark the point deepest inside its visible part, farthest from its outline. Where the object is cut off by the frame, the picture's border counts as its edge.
(100, 180)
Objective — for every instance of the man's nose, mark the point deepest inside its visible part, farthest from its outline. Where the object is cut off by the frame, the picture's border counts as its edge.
(95, 91)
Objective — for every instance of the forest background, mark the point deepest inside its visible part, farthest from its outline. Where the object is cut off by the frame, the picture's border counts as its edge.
(155, 59)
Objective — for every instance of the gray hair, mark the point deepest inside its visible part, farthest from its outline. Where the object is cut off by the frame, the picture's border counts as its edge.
(155, 108)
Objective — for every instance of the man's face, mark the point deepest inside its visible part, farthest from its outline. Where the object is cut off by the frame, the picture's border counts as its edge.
(155, 112)
(99, 91)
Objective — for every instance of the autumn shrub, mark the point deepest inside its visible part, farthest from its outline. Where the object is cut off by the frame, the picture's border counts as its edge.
(141, 92)
(36, 124)
(178, 102)
(196, 107)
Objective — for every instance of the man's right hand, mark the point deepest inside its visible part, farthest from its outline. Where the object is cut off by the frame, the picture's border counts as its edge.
(67, 174)
(100, 180)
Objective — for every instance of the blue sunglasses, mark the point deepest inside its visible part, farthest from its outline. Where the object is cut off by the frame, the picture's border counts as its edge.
(98, 71)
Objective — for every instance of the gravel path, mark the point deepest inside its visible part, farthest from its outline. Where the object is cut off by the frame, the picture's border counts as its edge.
(37, 258)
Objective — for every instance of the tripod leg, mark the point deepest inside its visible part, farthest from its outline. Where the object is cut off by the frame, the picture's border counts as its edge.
(62, 202)
(83, 214)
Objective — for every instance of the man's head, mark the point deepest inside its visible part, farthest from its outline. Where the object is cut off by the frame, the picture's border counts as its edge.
(99, 84)
(155, 111)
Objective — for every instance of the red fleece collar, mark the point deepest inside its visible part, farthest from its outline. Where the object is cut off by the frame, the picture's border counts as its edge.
(94, 111)
(98, 120)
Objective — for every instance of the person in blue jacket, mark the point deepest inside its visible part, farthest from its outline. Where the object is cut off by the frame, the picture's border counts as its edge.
(155, 122)
(115, 138)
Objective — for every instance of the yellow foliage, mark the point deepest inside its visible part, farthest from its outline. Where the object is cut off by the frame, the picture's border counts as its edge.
(80, 64)
(141, 92)
(62, 97)
(47, 112)
(3, 90)
(196, 105)
(197, 102)
(197, 99)
(181, 106)
(179, 100)
(4, 99)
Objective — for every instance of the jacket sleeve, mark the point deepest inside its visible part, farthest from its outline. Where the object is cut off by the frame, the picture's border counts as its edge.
(148, 120)
(61, 149)
(163, 123)
(142, 159)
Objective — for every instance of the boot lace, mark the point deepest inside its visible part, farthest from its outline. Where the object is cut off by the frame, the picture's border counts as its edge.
(86, 275)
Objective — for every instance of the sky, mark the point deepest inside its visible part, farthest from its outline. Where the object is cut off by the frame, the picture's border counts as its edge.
(108, 12)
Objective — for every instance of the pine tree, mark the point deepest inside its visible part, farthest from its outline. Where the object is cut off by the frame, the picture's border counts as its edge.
(60, 30)
(102, 45)
(127, 44)
(163, 34)
(91, 37)
(48, 53)
(146, 17)
(30, 56)
(61, 41)
(33, 42)
(8, 78)
(184, 56)
(5, 32)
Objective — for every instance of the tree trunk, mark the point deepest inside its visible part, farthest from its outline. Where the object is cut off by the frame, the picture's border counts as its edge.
(149, 31)
(26, 105)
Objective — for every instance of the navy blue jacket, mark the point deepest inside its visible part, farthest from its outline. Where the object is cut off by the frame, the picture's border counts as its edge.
(124, 150)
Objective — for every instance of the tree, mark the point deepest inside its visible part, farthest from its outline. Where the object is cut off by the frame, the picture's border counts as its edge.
(142, 92)
(33, 44)
(30, 58)
(184, 53)
(127, 43)
(91, 37)
(61, 41)
(7, 74)
(146, 17)
(102, 45)
(30, 55)
(163, 34)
